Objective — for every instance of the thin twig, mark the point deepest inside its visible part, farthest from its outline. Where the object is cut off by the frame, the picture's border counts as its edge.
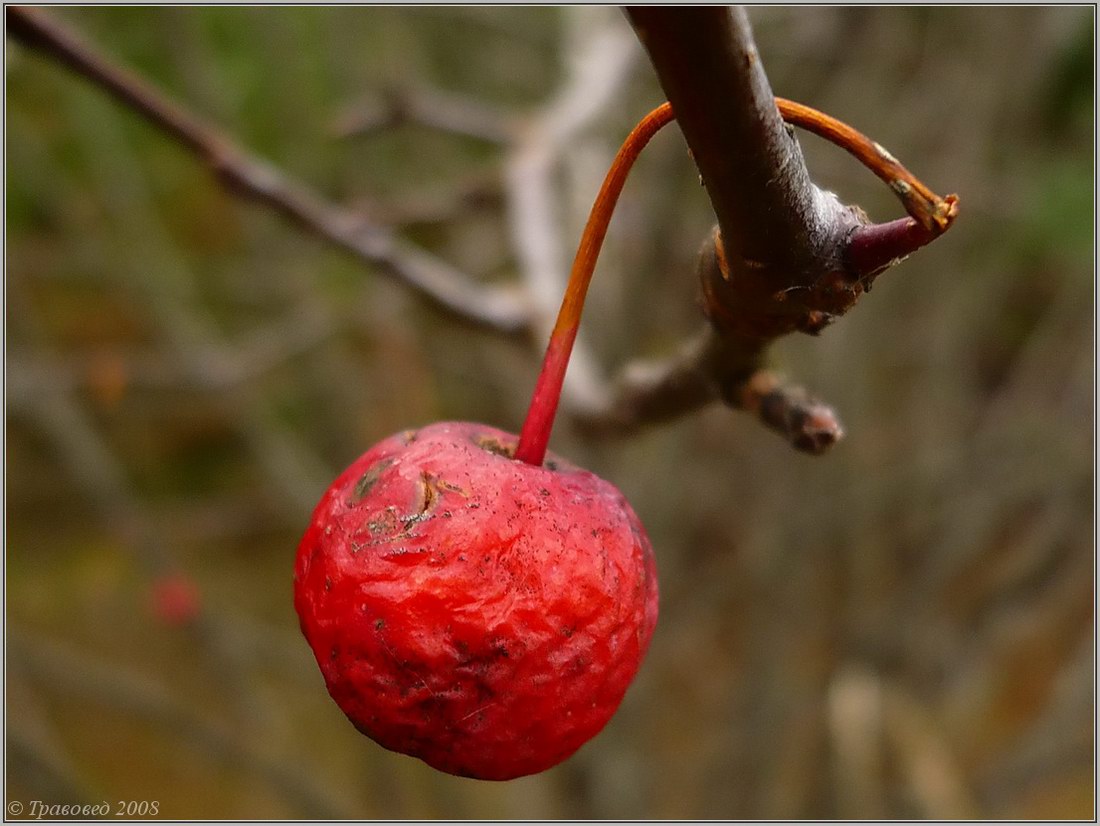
(110, 373)
(431, 108)
(479, 193)
(651, 392)
(499, 309)
(807, 423)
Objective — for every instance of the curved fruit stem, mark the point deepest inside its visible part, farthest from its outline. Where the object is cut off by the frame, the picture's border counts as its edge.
(935, 215)
(544, 403)
(929, 209)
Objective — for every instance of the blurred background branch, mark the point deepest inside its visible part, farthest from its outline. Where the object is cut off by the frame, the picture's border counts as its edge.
(236, 169)
(601, 56)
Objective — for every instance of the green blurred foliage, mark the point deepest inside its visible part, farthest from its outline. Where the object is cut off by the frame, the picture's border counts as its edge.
(903, 628)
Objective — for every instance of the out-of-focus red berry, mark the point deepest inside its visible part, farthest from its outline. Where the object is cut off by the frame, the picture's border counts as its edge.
(175, 599)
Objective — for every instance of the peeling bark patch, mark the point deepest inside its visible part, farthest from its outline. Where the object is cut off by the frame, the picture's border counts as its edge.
(884, 153)
(900, 187)
(720, 256)
(815, 321)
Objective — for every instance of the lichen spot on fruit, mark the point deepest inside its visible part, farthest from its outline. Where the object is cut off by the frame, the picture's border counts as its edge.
(369, 479)
(494, 444)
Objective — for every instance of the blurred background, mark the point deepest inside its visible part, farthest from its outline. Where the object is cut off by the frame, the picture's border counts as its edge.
(901, 628)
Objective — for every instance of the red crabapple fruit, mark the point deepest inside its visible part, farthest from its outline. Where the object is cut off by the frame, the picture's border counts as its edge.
(478, 612)
(470, 601)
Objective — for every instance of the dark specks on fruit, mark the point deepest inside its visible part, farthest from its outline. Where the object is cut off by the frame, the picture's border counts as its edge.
(379, 624)
(385, 523)
(443, 484)
(328, 583)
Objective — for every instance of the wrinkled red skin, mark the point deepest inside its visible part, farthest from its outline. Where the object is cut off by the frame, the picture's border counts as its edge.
(477, 612)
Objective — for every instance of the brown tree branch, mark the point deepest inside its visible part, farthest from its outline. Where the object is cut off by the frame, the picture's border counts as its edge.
(503, 310)
(807, 423)
(650, 392)
(779, 230)
(788, 256)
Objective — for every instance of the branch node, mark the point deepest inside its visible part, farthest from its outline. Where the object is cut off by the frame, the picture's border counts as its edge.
(809, 424)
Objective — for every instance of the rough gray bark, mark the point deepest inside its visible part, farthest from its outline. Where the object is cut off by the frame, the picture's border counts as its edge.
(779, 230)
